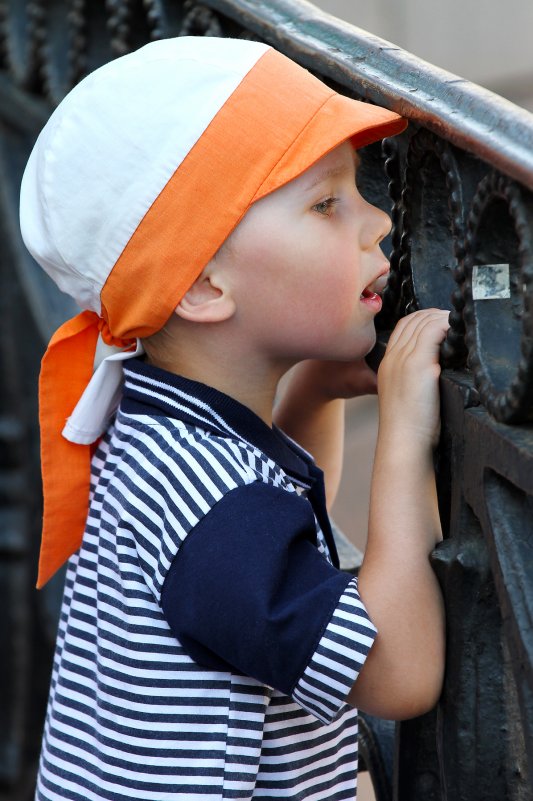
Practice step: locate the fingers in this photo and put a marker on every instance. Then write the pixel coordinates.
(408, 386)
(427, 327)
(408, 325)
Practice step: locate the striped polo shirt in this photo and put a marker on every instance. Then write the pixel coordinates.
(207, 639)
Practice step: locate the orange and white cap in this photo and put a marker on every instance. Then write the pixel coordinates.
(136, 180)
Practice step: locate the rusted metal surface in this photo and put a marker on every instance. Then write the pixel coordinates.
(458, 186)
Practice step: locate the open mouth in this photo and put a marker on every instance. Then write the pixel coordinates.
(371, 299)
(368, 293)
(371, 294)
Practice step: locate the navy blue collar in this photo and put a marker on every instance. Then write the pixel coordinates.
(149, 390)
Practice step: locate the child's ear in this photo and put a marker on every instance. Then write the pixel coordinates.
(208, 300)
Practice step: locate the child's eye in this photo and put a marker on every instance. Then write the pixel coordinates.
(325, 207)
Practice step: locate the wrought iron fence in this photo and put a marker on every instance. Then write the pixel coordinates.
(458, 185)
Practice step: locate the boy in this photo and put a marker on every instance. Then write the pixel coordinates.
(198, 199)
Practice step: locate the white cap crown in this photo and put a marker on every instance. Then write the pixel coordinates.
(112, 145)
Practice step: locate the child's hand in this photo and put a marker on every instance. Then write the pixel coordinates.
(311, 410)
(328, 380)
(408, 378)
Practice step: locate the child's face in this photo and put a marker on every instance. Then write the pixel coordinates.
(305, 258)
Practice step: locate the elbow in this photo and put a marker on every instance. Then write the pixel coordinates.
(414, 704)
(419, 695)
(401, 705)
(410, 697)
(420, 692)
(404, 681)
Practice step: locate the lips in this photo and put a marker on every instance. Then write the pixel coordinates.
(370, 295)
(371, 300)
(378, 284)
(367, 294)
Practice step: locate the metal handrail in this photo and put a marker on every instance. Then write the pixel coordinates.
(463, 113)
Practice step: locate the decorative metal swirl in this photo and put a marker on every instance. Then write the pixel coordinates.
(499, 331)
(20, 38)
(48, 49)
(391, 311)
(61, 51)
(431, 224)
(200, 21)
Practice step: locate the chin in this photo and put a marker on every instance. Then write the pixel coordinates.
(369, 349)
(368, 343)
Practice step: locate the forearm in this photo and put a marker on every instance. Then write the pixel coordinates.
(403, 673)
(317, 425)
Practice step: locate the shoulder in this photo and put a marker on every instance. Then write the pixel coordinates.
(163, 444)
(170, 475)
(262, 510)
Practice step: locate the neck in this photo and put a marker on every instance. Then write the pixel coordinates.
(246, 380)
(222, 356)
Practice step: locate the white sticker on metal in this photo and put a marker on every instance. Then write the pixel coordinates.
(490, 281)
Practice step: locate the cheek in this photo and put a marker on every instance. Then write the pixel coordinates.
(264, 254)
(343, 284)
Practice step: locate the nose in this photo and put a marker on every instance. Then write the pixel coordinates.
(383, 225)
(378, 225)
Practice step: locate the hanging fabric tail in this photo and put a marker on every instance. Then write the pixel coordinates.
(66, 369)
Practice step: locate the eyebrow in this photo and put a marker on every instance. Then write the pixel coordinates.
(332, 172)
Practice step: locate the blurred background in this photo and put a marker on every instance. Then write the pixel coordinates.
(488, 42)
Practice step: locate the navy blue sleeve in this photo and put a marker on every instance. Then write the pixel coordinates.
(249, 591)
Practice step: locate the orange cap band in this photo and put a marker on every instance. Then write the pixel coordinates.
(66, 369)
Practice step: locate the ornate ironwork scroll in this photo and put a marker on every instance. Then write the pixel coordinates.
(458, 184)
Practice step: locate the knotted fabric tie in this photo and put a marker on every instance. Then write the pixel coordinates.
(78, 392)
(108, 337)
